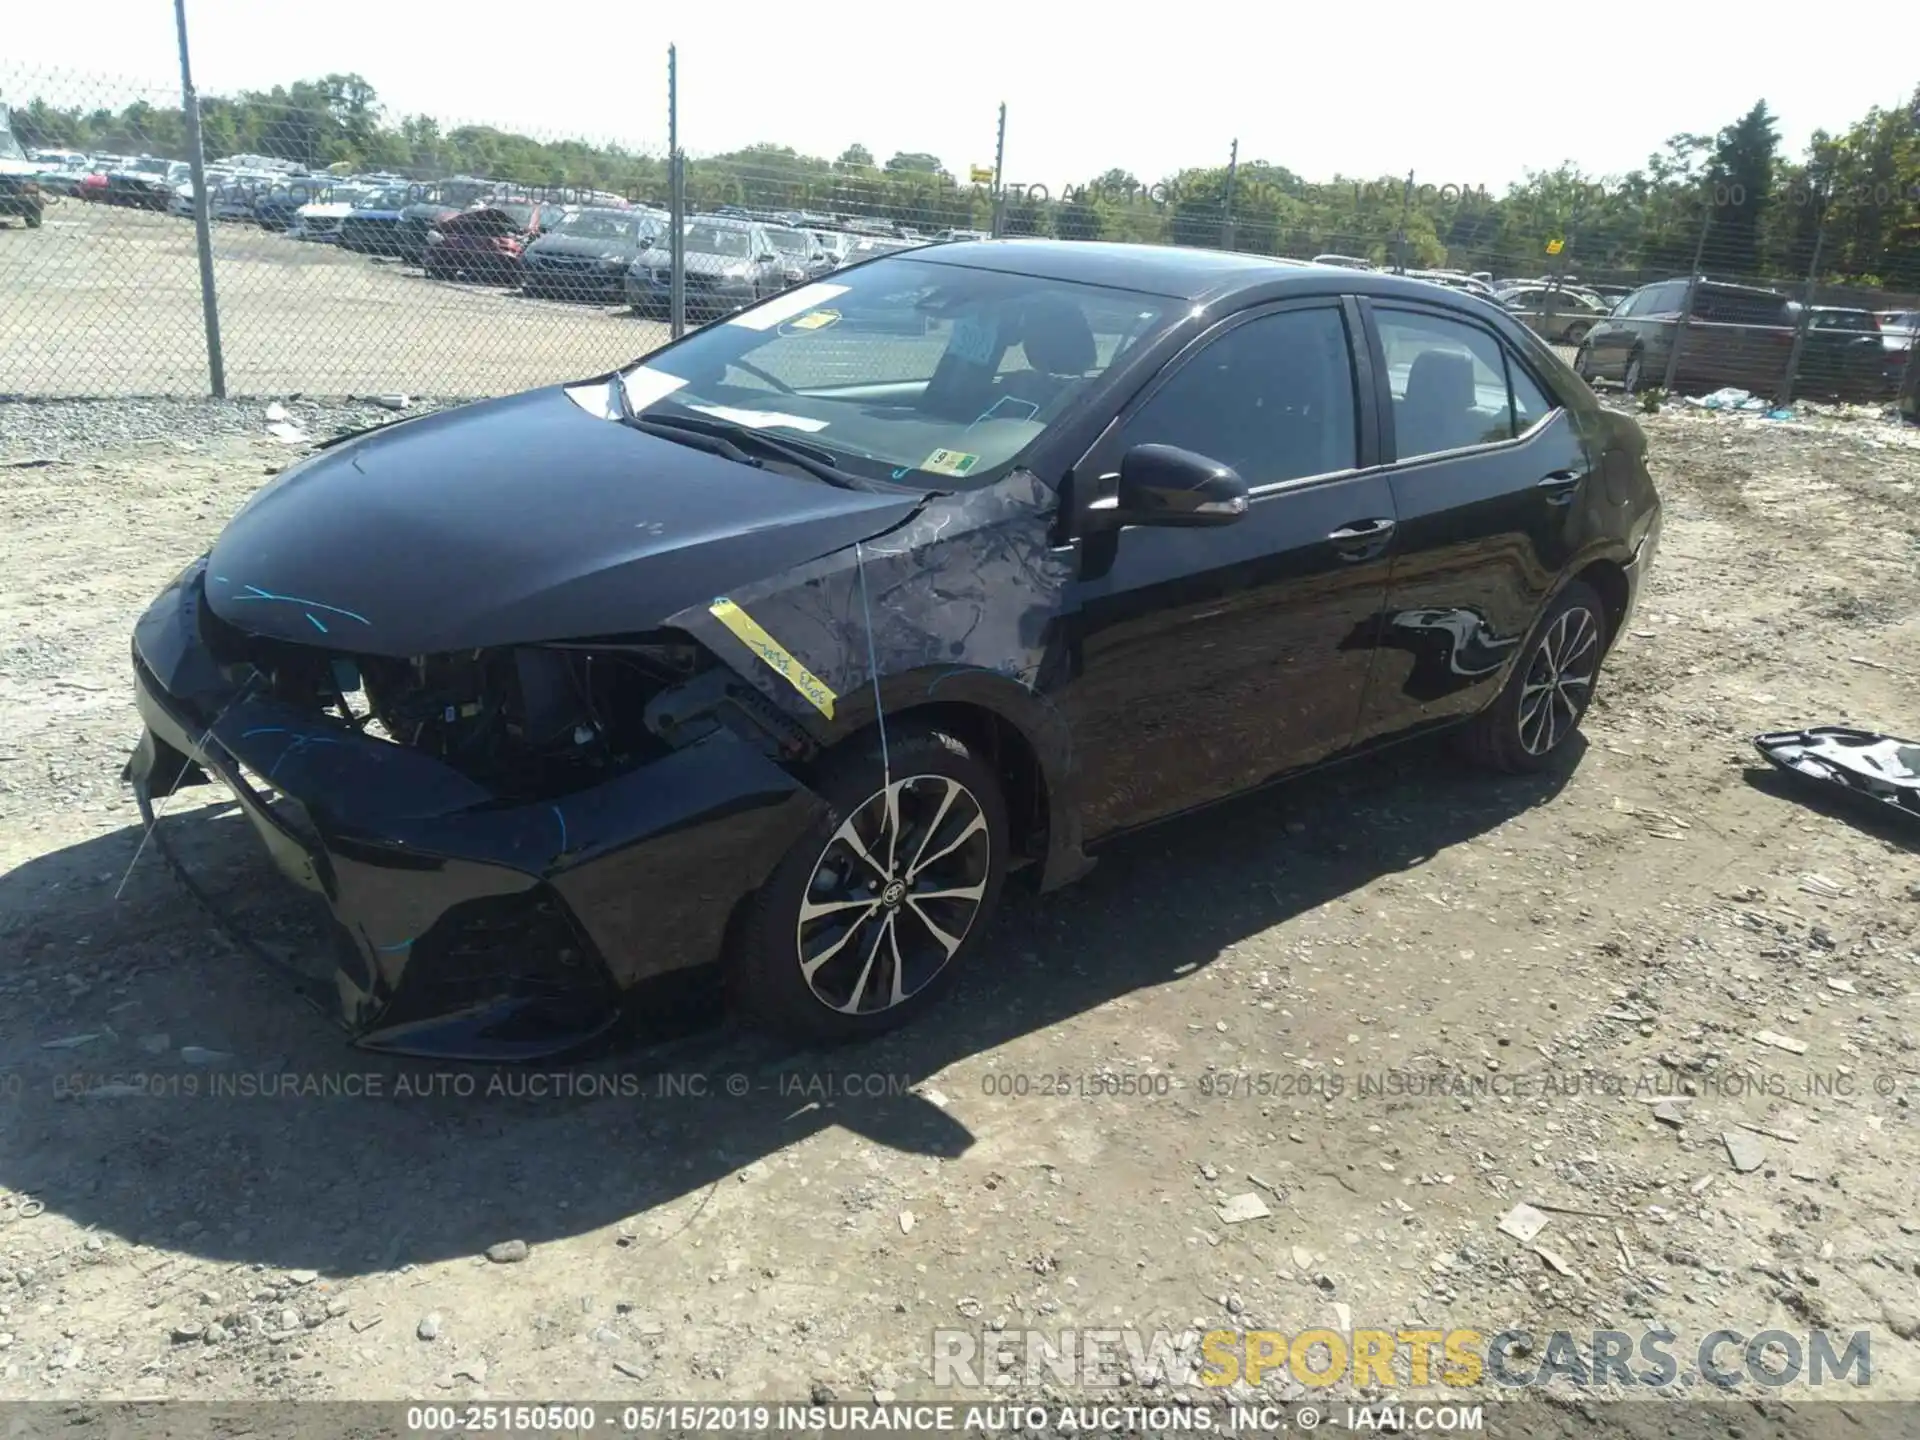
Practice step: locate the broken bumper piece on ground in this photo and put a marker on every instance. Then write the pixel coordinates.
(1879, 769)
(470, 924)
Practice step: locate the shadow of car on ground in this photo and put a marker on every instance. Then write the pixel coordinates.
(426, 1162)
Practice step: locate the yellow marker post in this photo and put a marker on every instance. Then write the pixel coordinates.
(776, 656)
(1554, 247)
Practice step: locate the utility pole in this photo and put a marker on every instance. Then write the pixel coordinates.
(1686, 309)
(676, 201)
(999, 163)
(202, 221)
(1233, 171)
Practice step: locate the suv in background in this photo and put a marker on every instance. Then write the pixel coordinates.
(1843, 357)
(1560, 316)
(1736, 335)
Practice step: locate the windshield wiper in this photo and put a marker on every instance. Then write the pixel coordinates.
(816, 462)
(697, 439)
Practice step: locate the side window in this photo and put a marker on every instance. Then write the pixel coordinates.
(1448, 381)
(1530, 404)
(1272, 397)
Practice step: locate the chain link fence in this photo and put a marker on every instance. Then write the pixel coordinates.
(354, 253)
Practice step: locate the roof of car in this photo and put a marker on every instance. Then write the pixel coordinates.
(1178, 272)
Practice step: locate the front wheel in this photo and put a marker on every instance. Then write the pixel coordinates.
(1577, 332)
(1583, 362)
(866, 920)
(1549, 689)
(1634, 379)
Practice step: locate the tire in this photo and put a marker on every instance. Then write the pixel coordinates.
(1577, 332)
(33, 217)
(1633, 378)
(1532, 718)
(950, 811)
(1583, 362)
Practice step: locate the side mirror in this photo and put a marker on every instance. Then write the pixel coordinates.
(1165, 485)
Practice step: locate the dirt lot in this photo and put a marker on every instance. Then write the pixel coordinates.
(106, 301)
(1392, 1002)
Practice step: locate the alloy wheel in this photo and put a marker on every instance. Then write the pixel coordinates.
(1559, 680)
(894, 893)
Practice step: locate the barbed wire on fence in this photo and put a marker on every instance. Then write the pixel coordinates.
(356, 253)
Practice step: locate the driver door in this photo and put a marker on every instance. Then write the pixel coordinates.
(1207, 661)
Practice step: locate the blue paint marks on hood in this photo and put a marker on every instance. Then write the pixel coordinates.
(514, 521)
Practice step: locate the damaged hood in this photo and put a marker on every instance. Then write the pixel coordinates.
(514, 521)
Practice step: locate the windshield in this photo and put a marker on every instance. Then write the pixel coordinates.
(905, 371)
(718, 240)
(599, 225)
(1858, 320)
(521, 215)
(789, 242)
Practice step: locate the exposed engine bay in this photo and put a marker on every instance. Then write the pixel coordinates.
(527, 722)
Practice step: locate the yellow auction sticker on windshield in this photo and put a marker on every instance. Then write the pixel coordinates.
(949, 462)
(815, 320)
(777, 657)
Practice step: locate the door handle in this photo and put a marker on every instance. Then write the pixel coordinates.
(1561, 486)
(1362, 539)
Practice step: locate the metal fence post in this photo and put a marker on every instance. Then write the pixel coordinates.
(1400, 239)
(676, 200)
(1686, 309)
(1233, 172)
(998, 222)
(1806, 311)
(202, 222)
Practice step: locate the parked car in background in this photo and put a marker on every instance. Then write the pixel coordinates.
(148, 183)
(417, 222)
(487, 244)
(1561, 316)
(321, 220)
(837, 243)
(1736, 335)
(60, 172)
(372, 227)
(730, 264)
(20, 193)
(586, 256)
(624, 781)
(867, 247)
(277, 206)
(1899, 329)
(1843, 357)
(802, 256)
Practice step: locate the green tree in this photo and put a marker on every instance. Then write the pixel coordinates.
(1741, 174)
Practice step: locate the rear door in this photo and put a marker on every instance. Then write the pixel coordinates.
(1489, 480)
(1209, 660)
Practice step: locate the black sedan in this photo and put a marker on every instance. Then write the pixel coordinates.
(761, 664)
(586, 255)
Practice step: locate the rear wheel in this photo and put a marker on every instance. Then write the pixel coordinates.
(1577, 332)
(867, 918)
(1549, 689)
(1583, 362)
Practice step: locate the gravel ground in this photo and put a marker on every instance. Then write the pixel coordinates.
(103, 300)
(1390, 1003)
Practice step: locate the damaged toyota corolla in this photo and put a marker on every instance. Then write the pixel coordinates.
(766, 659)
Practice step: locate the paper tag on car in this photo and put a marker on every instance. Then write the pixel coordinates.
(761, 419)
(784, 307)
(949, 462)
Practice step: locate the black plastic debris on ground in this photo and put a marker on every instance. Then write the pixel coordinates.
(1865, 765)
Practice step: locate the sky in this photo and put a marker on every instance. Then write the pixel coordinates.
(1459, 101)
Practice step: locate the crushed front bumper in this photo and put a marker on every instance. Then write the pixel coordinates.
(470, 925)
